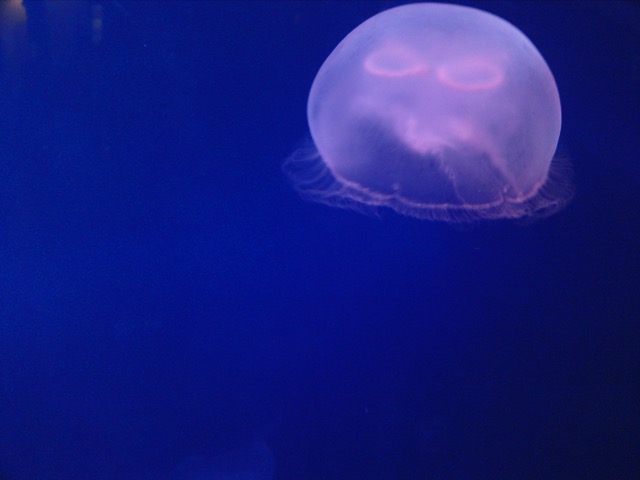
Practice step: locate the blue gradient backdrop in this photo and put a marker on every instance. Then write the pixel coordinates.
(164, 293)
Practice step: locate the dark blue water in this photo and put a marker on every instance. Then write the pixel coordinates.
(171, 309)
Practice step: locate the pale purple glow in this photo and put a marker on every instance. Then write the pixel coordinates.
(437, 111)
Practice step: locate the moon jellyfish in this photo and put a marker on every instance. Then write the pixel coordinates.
(439, 112)
(253, 461)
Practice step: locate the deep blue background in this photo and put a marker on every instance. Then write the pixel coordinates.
(165, 293)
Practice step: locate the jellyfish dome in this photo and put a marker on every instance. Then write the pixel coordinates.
(437, 111)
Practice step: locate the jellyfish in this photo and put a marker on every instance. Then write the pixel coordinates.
(440, 112)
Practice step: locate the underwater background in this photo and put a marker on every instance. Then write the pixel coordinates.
(171, 309)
